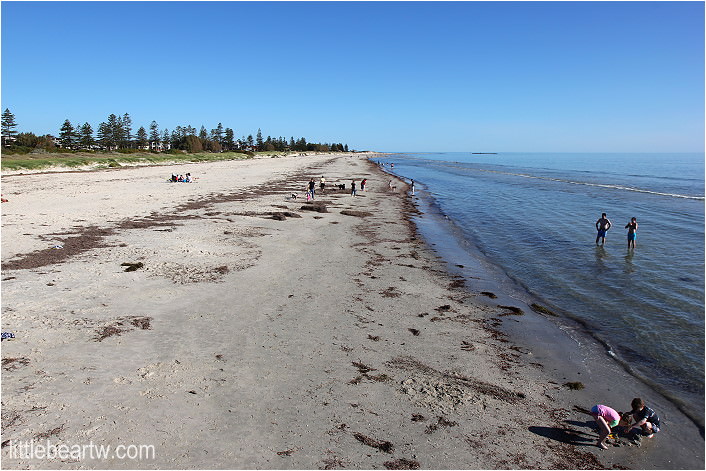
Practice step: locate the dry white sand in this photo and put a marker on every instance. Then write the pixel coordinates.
(257, 334)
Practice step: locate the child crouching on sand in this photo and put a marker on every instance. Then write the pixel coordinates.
(646, 421)
(606, 418)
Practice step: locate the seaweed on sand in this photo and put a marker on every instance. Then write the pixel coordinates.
(12, 363)
(132, 266)
(402, 463)
(382, 445)
(542, 310)
(514, 311)
(360, 214)
(107, 331)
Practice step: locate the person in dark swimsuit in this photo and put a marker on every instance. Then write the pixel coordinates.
(632, 232)
(602, 226)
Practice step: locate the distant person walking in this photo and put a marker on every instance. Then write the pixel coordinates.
(312, 188)
(362, 184)
(322, 184)
(602, 226)
(413, 187)
(632, 232)
(389, 184)
(353, 191)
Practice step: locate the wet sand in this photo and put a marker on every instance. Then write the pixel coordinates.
(258, 331)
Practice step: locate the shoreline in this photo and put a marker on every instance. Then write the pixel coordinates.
(275, 337)
(494, 279)
(570, 333)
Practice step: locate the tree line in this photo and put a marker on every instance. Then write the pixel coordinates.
(116, 134)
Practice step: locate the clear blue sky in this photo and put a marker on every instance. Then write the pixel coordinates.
(397, 76)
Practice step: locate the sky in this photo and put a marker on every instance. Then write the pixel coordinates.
(385, 76)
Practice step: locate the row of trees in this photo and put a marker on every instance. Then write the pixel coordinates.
(116, 133)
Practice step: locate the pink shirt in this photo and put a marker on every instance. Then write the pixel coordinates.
(606, 412)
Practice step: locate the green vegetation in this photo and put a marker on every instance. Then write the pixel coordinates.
(116, 134)
(46, 160)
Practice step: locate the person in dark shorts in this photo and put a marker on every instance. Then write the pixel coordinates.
(322, 184)
(602, 226)
(646, 420)
(632, 232)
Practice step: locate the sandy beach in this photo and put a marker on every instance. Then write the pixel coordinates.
(224, 324)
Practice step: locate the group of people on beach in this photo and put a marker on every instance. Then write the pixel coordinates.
(181, 178)
(646, 422)
(311, 187)
(603, 224)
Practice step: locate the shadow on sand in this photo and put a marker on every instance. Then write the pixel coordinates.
(567, 435)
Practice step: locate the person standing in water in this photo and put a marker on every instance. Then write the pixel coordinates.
(632, 232)
(413, 187)
(602, 226)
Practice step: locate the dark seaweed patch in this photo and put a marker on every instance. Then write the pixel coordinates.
(319, 208)
(383, 445)
(141, 322)
(514, 311)
(402, 463)
(542, 310)
(9, 364)
(49, 433)
(107, 331)
(360, 214)
(362, 367)
(132, 266)
(441, 422)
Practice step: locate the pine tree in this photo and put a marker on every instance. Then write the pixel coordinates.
(165, 139)
(127, 131)
(258, 139)
(141, 137)
(66, 135)
(203, 134)
(154, 135)
(105, 136)
(8, 127)
(85, 139)
(229, 143)
(218, 134)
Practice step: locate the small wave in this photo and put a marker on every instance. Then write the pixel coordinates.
(599, 185)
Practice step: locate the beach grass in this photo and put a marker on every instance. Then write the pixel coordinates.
(109, 160)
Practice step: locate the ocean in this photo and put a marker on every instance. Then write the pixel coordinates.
(532, 216)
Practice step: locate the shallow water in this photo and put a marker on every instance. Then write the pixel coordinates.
(533, 216)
